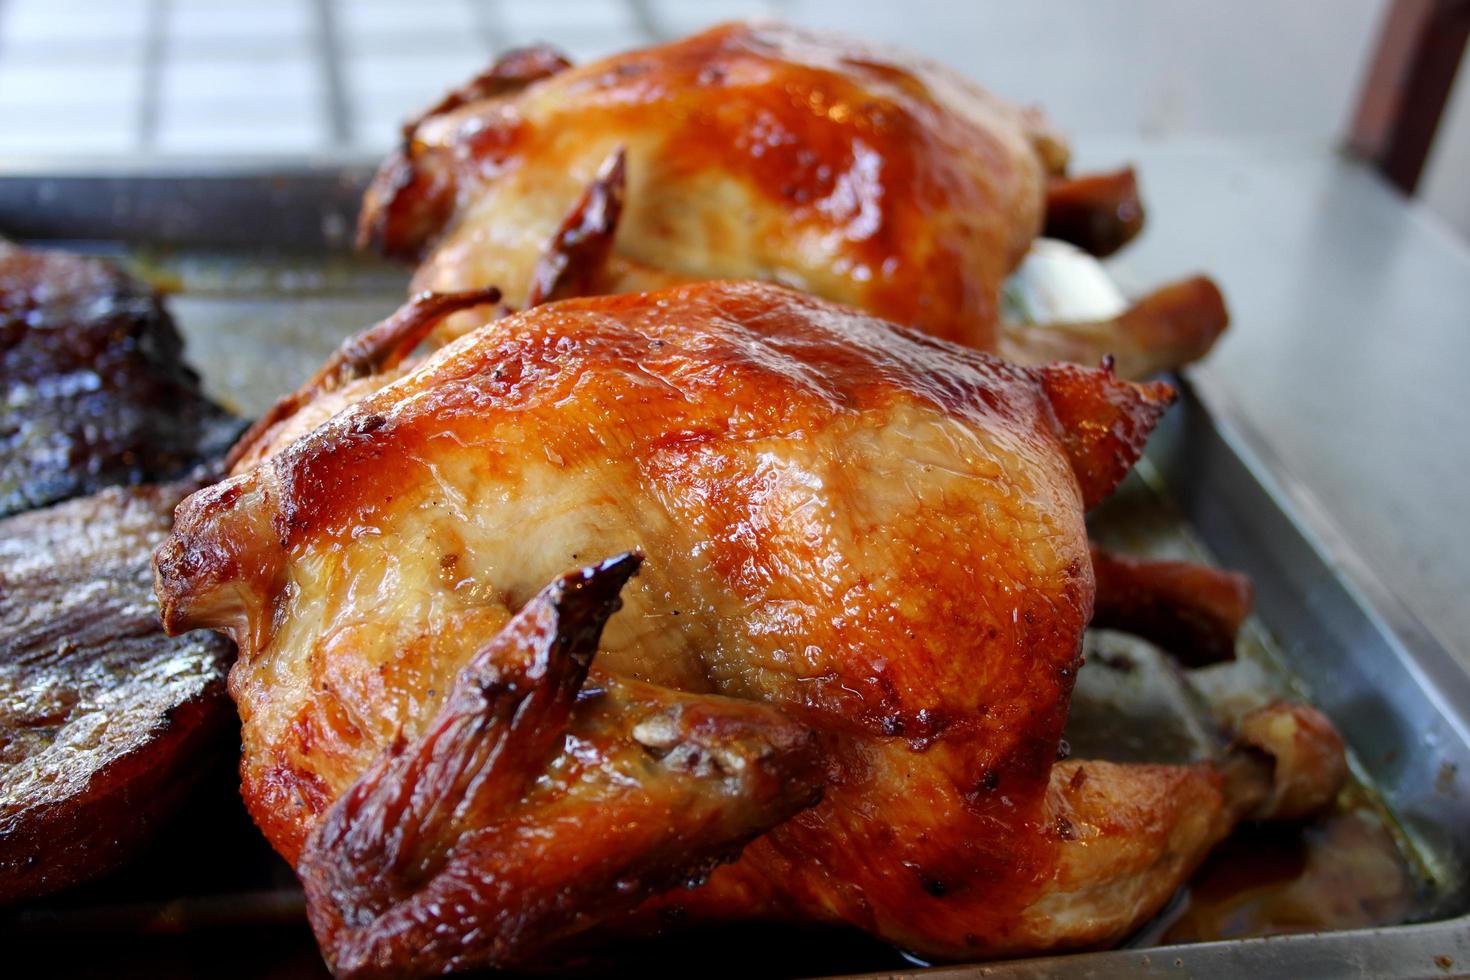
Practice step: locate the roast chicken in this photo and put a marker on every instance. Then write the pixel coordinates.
(859, 174)
(853, 574)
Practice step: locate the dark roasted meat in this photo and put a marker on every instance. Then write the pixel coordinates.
(96, 391)
(104, 720)
(1098, 212)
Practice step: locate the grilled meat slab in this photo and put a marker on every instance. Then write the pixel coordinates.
(103, 718)
(96, 391)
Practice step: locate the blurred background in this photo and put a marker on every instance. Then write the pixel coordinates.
(81, 79)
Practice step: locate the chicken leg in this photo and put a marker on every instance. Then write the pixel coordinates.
(1130, 835)
(1192, 611)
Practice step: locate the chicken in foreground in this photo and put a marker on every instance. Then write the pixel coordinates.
(856, 173)
(836, 688)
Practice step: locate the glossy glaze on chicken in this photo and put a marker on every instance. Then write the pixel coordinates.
(865, 577)
(854, 172)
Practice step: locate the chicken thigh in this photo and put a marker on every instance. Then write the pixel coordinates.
(837, 685)
(856, 173)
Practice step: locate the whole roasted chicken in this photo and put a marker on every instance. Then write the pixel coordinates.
(859, 174)
(836, 688)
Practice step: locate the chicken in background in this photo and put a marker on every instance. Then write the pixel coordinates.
(856, 173)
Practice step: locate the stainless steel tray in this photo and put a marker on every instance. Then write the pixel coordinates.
(265, 288)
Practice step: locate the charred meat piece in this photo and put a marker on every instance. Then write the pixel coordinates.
(96, 391)
(103, 718)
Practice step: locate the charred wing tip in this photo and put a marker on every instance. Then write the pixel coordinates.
(1158, 395)
(614, 169)
(1153, 396)
(585, 599)
(606, 579)
(1103, 421)
(365, 236)
(165, 563)
(392, 177)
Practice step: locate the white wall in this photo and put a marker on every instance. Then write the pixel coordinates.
(1242, 69)
(1446, 184)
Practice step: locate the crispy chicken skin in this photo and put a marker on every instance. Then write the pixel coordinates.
(754, 151)
(652, 787)
(857, 173)
(860, 542)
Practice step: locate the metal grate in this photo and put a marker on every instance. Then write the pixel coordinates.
(285, 77)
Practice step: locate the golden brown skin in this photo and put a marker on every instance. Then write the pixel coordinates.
(753, 151)
(876, 534)
(856, 173)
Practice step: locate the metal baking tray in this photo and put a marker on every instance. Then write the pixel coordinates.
(264, 285)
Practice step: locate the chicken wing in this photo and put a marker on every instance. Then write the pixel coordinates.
(538, 804)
